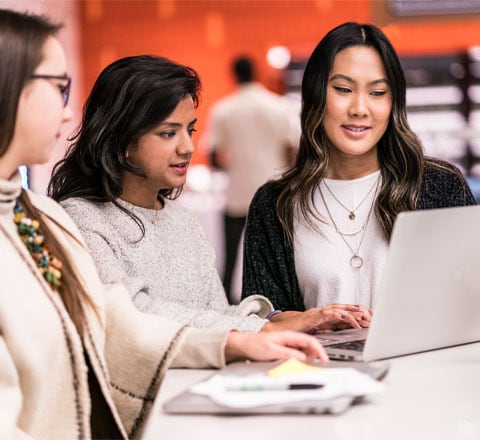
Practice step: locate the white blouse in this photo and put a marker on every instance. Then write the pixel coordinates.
(323, 258)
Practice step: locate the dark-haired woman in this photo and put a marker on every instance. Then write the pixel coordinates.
(118, 182)
(77, 360)
(318, 236)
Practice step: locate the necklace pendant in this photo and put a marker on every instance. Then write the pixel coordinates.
(356, 262)
(351, 216)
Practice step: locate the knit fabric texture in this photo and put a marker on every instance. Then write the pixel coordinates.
(170, 271)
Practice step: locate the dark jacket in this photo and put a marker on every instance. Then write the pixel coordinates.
(269, 265)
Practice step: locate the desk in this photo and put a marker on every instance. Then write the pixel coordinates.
(434, 395)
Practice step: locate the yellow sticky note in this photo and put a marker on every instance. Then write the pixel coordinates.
(292, 366)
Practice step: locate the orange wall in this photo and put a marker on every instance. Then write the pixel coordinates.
(207, 34)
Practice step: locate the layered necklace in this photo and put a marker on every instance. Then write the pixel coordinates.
(351, 212)
(356, 261)
(49, 266)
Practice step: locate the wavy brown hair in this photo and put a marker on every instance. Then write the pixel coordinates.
(22, 38)
(400, 152)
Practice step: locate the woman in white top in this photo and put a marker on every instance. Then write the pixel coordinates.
(318, 236)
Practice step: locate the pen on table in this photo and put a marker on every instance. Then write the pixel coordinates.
(274, 387)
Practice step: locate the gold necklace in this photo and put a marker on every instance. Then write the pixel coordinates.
(153, 220)
(356, 261)
(351, 212)
(146, 214)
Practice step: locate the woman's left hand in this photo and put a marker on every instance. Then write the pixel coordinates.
(322, 319)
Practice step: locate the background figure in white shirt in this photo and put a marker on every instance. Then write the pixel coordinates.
(251, 137)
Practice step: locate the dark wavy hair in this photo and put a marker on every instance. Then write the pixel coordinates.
(400, 153)
(22, 39)
(129, 98)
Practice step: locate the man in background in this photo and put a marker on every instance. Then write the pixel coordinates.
(251, 137)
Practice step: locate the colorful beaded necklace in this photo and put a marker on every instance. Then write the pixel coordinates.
(49, 266)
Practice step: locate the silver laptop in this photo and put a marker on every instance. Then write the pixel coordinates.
(429, 295)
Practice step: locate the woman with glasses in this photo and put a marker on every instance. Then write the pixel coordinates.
(318, 236)
(63, 84)
(77, 360)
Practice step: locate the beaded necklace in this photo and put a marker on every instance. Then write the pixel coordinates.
(49, 266)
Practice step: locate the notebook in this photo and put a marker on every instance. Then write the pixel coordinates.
(429, 295)
(188, 402)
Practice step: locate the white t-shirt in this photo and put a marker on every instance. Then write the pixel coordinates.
(323, 260)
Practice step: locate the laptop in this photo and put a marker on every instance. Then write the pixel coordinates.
(188, 402)
(429, 294)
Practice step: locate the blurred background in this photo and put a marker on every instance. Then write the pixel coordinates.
(438, 41)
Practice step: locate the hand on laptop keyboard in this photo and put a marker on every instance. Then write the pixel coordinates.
(322, 319)
(343, 316)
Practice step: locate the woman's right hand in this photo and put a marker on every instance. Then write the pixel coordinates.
(322, 319)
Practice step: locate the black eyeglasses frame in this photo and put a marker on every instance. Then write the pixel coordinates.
(64, 89)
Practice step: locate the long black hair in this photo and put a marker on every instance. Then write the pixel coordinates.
(400, 153)
(129, 98)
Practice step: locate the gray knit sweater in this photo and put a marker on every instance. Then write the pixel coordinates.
(170, 271)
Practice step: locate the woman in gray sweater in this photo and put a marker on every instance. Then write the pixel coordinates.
(119, 180)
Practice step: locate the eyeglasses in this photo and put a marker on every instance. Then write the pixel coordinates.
(64, 88)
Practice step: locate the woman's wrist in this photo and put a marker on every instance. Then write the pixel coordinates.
(233, 347)
(272, 314)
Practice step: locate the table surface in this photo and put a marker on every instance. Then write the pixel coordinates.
(433, 395)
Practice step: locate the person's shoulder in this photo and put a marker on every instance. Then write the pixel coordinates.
(85, 211)
(259, 88)
(267, 194)
(180, 214)
(55, 212)
(443, 185)
(224, 104)
(438, 170)
(178, 209)
(47, 205)
(81, 204)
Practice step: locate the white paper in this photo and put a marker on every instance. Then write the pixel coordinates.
(337, 382)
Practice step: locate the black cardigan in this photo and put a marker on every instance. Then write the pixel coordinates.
(269, 265)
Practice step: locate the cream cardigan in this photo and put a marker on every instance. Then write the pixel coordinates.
(43, 376)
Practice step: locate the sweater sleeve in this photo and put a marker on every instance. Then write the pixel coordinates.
(139, 348)
(269, 267)
(226, 318)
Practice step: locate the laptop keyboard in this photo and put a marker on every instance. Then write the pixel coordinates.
(350, 345)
